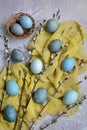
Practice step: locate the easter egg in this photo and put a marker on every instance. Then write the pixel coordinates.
(12, 88)
(36, 66)
(55, 45)
(40, 95)
(16, 29)
(51, 25)
(10, 113)
(68, 64)
(17, 55)
(70, 97)
(26, 22)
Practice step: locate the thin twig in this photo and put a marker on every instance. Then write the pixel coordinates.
(8, 70)
(20, 99)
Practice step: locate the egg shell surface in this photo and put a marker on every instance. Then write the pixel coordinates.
(12, 88)
(10, 113)
(55, 45)
(26, 22)
(36, 66)
(68, 64)
(70, 97)
(40, 95)
(17, 29)
(17, 55)
(51, 25)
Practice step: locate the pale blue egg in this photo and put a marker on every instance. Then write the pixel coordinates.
(12, 88)
(17, 55)
(26, 22)
(40, 95)
(68, 64)
(10, 113)
(70, 97)
(16, 29)
(55, 45)
(36, 66)
(51, 25)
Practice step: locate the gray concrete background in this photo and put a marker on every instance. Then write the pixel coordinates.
(40, 9)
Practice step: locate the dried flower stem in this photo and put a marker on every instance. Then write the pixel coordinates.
(27, 101)
(42, 25)
(7, 50)
(8, 70)
(20, 99)
(56, 15)
(38, 31)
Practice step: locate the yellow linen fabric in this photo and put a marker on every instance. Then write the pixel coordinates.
(68, 32)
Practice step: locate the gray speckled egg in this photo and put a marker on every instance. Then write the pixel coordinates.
(17, 55)
(10, 113)
(55, 45)
(26, 22)
(16, 29)
(51, 25)
(40, 95)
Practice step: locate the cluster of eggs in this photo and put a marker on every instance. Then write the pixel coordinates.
(24, 22)
(55, 46)
(10, 113)
(67, 65)
(12, 89)
(40, 95)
